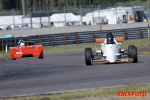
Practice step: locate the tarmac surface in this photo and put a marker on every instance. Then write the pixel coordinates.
(60, 72)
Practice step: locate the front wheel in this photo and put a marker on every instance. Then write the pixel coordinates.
(41, 55)
(13, 59)
(134, 54)
(11, 56)
(88, 56)
(129, 50)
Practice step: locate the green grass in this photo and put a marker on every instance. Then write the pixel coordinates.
(137, 43)
(109, 92)
(3, 54)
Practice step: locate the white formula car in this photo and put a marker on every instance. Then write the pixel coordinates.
(110, 52)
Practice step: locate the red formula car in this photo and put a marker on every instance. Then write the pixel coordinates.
(26, 49)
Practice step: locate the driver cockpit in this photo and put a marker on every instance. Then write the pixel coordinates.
(21, 43)
(110, 38)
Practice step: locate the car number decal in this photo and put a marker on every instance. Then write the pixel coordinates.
(18, 52)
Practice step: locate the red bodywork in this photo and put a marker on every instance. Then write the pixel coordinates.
(26, 51)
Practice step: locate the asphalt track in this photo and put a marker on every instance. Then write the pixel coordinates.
(66, 71)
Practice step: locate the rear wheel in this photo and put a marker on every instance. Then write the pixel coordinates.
(88, 56)
(134, 54)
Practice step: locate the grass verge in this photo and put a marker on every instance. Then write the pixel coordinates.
(109, 93)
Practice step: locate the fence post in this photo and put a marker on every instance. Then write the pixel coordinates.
(65, 39)
(15, 41)
(52, 40)
(99, 13)
(40, 39)
(77, 40)
(80, 15)
(101, 28)
(108, 31)
(148, 32)
(116, 12)
(31, 17)
(13, 17)
(65, 13)
(124, 34)
(93, 36)
(48, 15)
(27, 38)
(6, 48)
(92, 16)
(1, 44)
(140, 33)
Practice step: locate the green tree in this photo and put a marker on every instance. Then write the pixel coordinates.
(146, 6)
(10, 4)
(0, 5)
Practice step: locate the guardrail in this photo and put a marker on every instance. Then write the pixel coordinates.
(76, 37)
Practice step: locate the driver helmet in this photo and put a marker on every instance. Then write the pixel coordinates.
(20, 41)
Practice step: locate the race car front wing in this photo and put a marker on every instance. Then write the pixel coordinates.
(116, 61)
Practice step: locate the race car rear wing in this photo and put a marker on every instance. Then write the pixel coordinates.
(101, 40)
(119, 39)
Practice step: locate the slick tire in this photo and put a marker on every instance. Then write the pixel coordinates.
(41, 56)
(129, 50)
(134, 54)
(88, 56)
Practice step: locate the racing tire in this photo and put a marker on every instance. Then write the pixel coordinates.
(129, 50)
(12, 57)
(134, 54)
(41, 57)
(88, 56)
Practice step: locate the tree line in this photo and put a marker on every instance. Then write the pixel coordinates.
(24, 4)
(9, 4)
